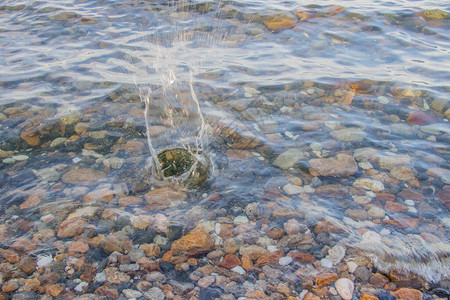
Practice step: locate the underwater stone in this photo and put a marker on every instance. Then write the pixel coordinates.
(288, 158)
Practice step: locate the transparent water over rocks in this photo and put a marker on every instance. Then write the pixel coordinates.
(324, 129)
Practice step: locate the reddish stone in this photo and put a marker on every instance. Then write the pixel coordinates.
(31, 137)
(378, 280)
(420, 118)
(301, 257)
(385, 196)
(256, 294)
(311, 296)
(429, 237)
(407, 294)
(269, 258)
(275, 233)
(163, 197)
(326, 279)
(78, 247)
(395, 207)
(444, 196)
(31, 284)
(148, 265)
(395, 223)
(326, 227)
(413, 195)
(247, 262)
(230, 261)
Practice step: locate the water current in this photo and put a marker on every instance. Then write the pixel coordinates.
(319, 134)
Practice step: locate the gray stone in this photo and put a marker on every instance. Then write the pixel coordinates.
(349, 135)
(288, 158)
(155, 293)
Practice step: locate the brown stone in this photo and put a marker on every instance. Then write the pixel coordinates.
(163, 197)
(99, 195)
(280, 21)
(49, 278)
(332, 190)
(230, 261)
(31, 137)
(301, 257)
(10, 255)
(32, 284)
(134, 146)
(407, 294)
(402, 173)
(326, 279)
(411, 194)
(395, 207)
(83, 176)
(107, 291)
(130, 200)
(444, 174)
(385, 196)
(10, 286)
(28, 265)
(54, 289)
(23, 244)
(247, 262)
(78, 247)
(311, 296)
(33, 200)
(151, 250)
(256, 294)
(198, 238)
(378, 280)
(252, 251)
(275, 233)
(366, 296)
(113, 275)
(72, 227)
(117, 243)
(342, 165)
(444, 196)
(327, 227)
(269, 258)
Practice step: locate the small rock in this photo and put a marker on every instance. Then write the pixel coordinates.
(407, 294)
(238, 269)
(288, 158)
(164, 197)
(198, 238)
(230, 261)
(369, 184)
(345, 288)
(285, 260)
(326, 279)
(155, 293)
(206, 281)
(252, 251)
(71, 228)
(10, 286)
(83, 176)
(336, 254)
(131, 294)
(78, 247)
(342, 165)
(349, 134)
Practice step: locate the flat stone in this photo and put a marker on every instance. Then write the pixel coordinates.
(130, 200)
(369, 184)
(252, 251)
(342, 165)
(389, 162)
(407, 294)
(164, 197)
(117, 243)
(349, 134)
(230, 261)
(10, 286)
(402, 173)
(155, 293)
(131, 294)
(83, 176)
(78, 247)
(326, 279)
(288, 158)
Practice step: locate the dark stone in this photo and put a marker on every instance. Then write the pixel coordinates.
(210, 293)
(124, 286)
(392, 188)
(93, 286)
(174, 232)
(143, 236)
(25, 296)
(166, 266)
(385, 296)
(22, 177)
(95, 255)
(441, 293)
(121, 222)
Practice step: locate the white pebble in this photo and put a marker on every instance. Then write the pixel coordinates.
(20, 157)
(284, 261)
(80, 286)
(352, 266)
(238, 269)
(326, 262)
(44, 260)
(100, 277)
(272, 248)
(385, 231)
(9, 161)
(345, 288)
(409, 202)
(240, 220)
(412, 210)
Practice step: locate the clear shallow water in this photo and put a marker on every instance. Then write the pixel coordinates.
(335, 82)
